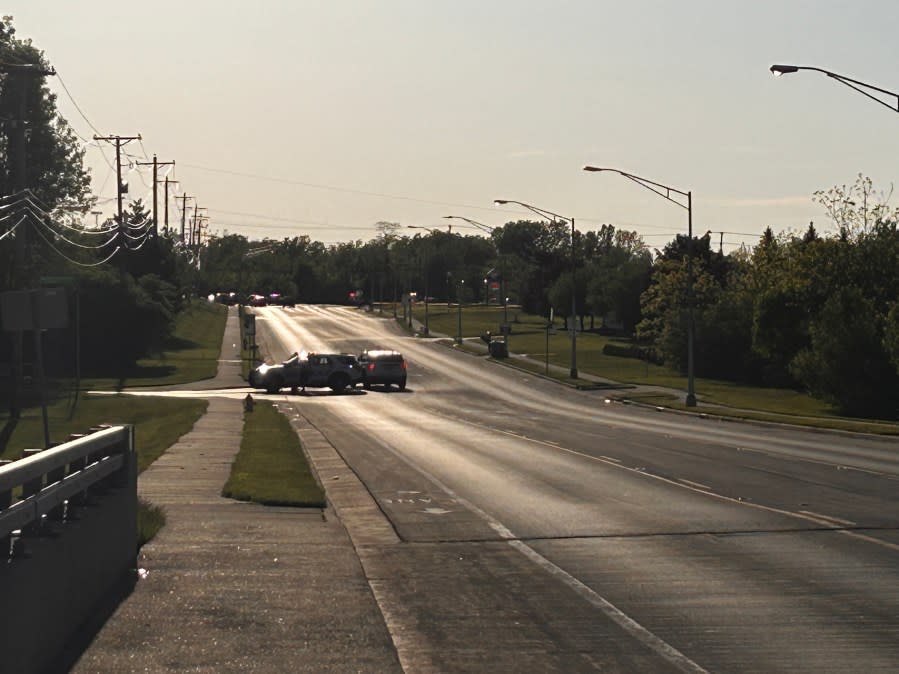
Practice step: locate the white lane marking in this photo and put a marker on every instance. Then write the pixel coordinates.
(612, 612)
(829, 518)
(610, 458)
(677, 483)
(698, 485)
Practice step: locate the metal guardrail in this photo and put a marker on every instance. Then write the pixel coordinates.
(51, 478)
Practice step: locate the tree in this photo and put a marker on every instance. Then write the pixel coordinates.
(53, 166)
(618, 273)
(537, 254)
(856, 209)
(846, 363)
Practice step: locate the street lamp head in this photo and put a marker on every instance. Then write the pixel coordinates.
(500, 202)
(594, 169)
(778, 70)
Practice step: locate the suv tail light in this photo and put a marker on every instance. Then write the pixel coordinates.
(404, 365)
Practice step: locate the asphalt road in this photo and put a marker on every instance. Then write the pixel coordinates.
(545, 529)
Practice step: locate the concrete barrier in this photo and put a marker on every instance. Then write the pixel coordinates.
(68, 538)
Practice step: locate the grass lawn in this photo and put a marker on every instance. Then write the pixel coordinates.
(271, 468)
(158, 423)
(529, 337)
(191, 354)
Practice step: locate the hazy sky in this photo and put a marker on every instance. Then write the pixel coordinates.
(339, 114)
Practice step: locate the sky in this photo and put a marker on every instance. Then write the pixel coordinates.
(322, 118)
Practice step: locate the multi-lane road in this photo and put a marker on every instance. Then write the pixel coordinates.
(538, 528)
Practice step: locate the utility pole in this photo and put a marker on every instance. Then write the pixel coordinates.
(118, 141)
(184, 198)
(19, 180)
(167, 182)
(195, 226)
(19, 183)
(155, 164)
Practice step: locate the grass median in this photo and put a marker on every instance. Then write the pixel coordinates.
(190, 355)
(270, 467)
(716, 397)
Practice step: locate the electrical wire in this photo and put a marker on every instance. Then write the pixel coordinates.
(142, 244)
(334, 188)
(75, 243)
(14, 194)
(77, 107)
(75, 262)
(12, 229)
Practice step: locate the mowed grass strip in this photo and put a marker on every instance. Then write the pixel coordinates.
(271, 467)
(158, 422)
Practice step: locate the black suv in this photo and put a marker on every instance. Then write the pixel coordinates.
(382, 366)
(336, 371)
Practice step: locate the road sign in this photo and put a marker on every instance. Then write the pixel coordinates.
(58, 280)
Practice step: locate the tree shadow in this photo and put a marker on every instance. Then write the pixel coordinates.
(175, 343)
(6, 432)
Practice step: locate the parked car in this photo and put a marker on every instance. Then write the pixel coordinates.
(384, 367)
(336, 371)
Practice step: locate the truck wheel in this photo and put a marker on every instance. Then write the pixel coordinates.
(338, 382)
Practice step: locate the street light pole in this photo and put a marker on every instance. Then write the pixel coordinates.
(665, 192)
(460, 288)
(549, 215)
(860, 87)
(488, 229)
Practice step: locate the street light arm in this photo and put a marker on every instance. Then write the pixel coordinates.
(549, 215)
(857, 85)
(473, 223)
(651, 185)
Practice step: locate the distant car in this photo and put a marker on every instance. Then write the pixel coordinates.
(257, 300)
(384, 367)
(336, 371)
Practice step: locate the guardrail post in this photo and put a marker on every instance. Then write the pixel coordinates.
(58, 514)
(128, 474)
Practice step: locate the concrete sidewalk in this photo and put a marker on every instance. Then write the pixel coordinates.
(229, 586)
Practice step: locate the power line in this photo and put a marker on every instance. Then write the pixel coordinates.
(77, 107)
(75, 262)
(335, 188)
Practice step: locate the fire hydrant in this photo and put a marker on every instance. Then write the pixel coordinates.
(248, 403)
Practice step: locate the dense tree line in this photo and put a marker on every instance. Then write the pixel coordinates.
(811, 312)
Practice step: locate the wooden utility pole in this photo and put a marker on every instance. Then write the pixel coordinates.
(118, 141)
(19, 182)
(195, 226)
(19, 143)
(167, 182)
(155, 164)
(184, 198)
